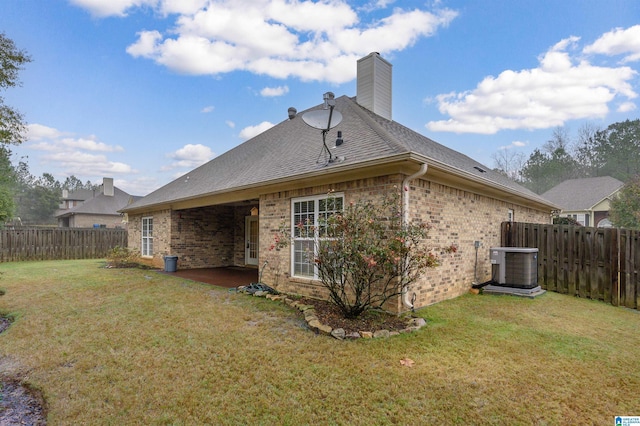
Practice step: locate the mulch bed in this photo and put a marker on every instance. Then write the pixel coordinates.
(329, 314)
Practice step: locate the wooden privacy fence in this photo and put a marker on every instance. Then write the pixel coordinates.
(598, 263)
(58, 243)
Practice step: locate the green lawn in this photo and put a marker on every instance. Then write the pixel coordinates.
(127, 346)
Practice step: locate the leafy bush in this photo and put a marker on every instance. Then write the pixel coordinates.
(558, 220)
(625, 208)
(122, 257)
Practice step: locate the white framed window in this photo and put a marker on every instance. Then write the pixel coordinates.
(582, 218)
(147, 237)
(308, 226)
(510, 215)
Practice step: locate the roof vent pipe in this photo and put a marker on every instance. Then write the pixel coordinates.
(292, 113)
(328, 100)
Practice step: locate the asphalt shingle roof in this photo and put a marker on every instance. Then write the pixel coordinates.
(102, 204)
(582, 194)
(292, 149)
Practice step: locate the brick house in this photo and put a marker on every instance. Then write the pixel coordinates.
(94, 208)
(227, 211)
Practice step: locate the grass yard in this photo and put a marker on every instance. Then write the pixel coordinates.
(127, 346)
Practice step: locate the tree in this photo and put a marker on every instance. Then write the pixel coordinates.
(12, 127)
(72, 183)
(616, 150)
(560, 139)
(367, 254)
(7, 186)
(624, 211)
(553, 164)
(39, 202)
(12, 60)
(509, 163)
(37, 199)
(544, 171)
(584, 153)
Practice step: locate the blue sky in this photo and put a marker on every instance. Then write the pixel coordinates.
(145, 90)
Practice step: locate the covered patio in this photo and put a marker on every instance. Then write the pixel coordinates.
(228, 276)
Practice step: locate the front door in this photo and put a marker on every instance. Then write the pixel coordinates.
(251, 240)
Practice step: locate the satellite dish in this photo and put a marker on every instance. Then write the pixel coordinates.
(319, 119)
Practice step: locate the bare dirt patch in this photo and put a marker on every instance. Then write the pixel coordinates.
(5, 322)
(20, 404)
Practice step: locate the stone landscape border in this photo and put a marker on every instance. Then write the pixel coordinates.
(314, 324)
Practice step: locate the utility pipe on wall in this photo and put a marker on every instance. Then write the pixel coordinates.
(408, 302)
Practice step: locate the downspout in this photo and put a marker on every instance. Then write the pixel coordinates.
(406, 299)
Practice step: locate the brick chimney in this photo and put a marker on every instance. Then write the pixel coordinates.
(107, 187)
(374, 84)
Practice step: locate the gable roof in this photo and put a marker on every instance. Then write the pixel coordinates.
(582, 194)
(102, 204)
(292, 150)
(80, 195)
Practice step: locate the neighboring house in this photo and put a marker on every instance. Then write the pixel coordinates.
(585, 200)
(229, 210)
(75, 198)
(90, 209)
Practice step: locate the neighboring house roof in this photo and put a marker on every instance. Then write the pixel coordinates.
(582, 194)
(102, 204)
(80, 195)
(292, 150)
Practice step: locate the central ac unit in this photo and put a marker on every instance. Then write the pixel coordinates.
(514, 267)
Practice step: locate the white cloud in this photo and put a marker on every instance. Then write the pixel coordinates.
(103, 8)
(189, 156)
(139, 185)
(376, 4)
(274, 91)
(146, 45)
(619, 41)
(251, 131)
(562, 88)
(311, 41)
(514, 144)
(50, 139)
(85, 164)
(74, 155)
(90, 144)
(231, 124)
(181, 6)
(395, 32)
(626, 107)
(207, 109)
(36, 132)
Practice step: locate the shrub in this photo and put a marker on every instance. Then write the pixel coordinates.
(558, 220)
(122, 257)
